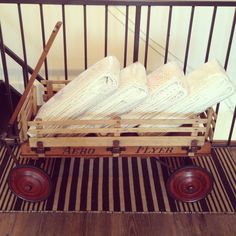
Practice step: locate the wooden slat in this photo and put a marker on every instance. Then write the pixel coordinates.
(24, 105)
(214, 114)
(213, 122)
(72, 122)
(208, 125)
(117, 127)
(108, 141)
(164, 121)
(54, 89)
(45, 82)
(28, 105)
(117, 130)
(29, 114)
(92, 152)
(39, 127)
(123, 122)
(34, 100)
(211, 134)
(49, 89)
(193, 134)
(24, 127)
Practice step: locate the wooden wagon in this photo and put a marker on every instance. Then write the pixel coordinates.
(168, 137)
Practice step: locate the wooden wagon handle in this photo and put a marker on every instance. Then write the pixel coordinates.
(34, 74)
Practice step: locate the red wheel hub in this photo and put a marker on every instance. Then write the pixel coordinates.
(29, 183)
(190, 184)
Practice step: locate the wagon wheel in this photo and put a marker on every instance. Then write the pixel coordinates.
(30, 183)
(190, 184)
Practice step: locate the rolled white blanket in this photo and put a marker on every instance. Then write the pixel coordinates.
(165, 86)
(208, 85)
(131, 91)
(85, 91)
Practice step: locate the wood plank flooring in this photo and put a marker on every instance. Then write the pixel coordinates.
(48, 224)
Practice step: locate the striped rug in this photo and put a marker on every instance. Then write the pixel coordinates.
(121, 185)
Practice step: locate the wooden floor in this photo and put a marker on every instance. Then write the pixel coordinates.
(60, 224)
(105, 224)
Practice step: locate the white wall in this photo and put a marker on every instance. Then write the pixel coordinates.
(116, 32)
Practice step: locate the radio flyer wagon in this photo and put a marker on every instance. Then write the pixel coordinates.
(171, 137)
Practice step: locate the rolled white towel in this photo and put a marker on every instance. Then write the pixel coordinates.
(131, 91)
(165, 86)
(208, 85)
(88, 89)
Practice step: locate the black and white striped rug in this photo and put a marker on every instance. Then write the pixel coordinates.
(121, 185)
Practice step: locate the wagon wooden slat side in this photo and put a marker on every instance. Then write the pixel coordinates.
(167, 137)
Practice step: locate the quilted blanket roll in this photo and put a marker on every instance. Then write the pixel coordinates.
(131, 91)
(208, 85)
(85, 91)
(166, 86)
